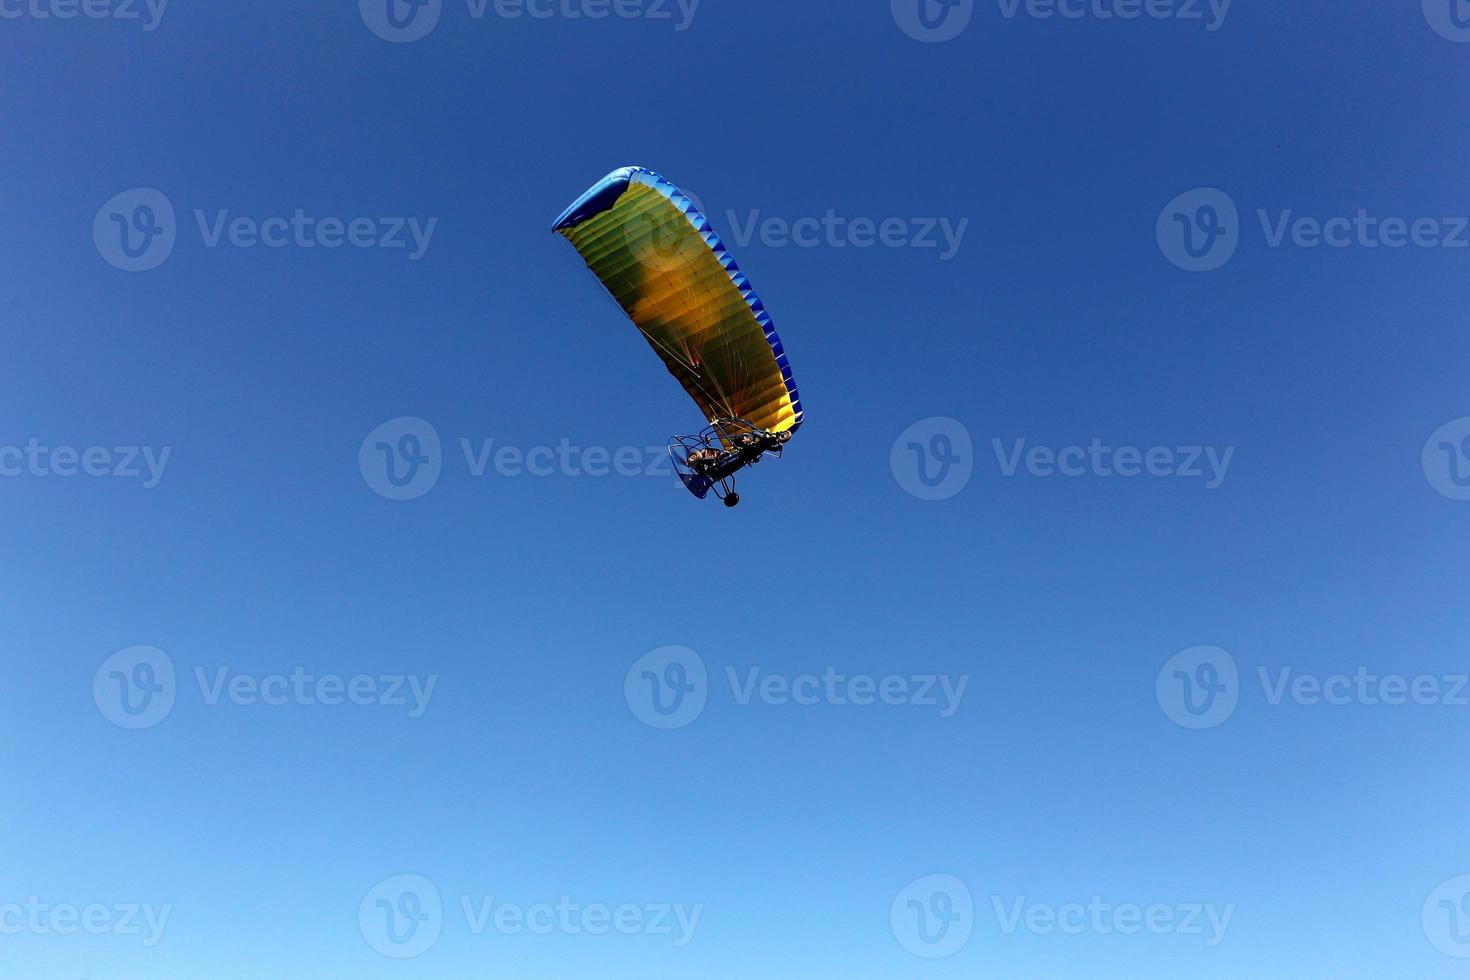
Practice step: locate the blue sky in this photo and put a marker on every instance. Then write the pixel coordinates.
(1132, 719)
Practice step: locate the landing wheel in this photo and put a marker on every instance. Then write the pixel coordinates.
(732, 499)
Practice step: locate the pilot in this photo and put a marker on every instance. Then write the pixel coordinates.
(701, 458)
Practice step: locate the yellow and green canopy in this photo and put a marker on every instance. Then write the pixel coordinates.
(659, 258)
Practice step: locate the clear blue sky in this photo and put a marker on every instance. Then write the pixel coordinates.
(1062, 317)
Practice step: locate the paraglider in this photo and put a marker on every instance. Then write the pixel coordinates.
(657, 255)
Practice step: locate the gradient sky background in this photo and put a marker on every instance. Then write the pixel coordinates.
(1060, 319)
